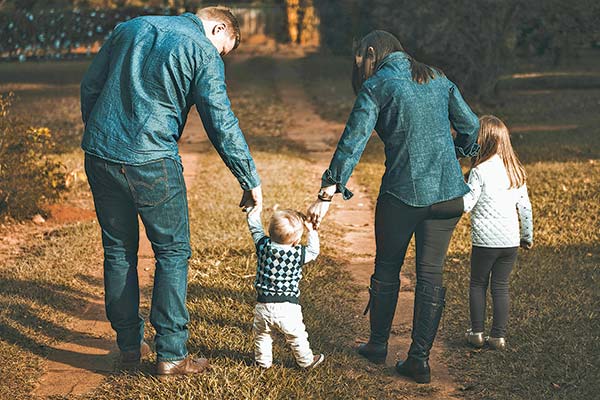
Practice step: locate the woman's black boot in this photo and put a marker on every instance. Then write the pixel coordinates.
(429, 305)
(382, 306)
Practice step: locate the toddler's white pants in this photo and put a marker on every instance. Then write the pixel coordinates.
(286, 318)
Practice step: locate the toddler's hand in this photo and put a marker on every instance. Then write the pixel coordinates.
(526, 245)
(309, 225)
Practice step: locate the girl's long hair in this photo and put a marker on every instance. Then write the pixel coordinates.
(384, 43)
(494, 138)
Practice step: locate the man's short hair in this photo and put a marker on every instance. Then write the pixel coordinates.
(225, 16)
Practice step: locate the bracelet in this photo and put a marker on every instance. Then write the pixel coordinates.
(324, 196)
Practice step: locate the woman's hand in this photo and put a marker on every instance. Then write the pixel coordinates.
(316, 212)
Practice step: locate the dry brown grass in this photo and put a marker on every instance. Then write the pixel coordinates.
(43, 288)
(554, 325)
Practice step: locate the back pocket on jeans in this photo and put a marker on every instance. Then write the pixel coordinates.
(149, 183)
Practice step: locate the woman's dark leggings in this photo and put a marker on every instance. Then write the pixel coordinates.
(497, 262)
(395, 223)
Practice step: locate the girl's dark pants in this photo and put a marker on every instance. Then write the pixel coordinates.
(497, 262)
(395, 224)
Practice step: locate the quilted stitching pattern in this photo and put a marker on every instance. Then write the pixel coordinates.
(494, 219)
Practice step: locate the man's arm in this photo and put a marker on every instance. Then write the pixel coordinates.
(221, 125)
(94, 79)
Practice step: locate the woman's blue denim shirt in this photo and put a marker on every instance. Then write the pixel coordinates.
(413, 121)
(138, 91)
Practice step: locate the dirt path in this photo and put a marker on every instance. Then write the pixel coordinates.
(78, 364)
(357, 216)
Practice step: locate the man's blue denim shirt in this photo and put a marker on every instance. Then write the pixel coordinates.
(413, 121)
(138, 91)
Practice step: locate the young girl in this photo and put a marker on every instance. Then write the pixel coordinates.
(498, 200)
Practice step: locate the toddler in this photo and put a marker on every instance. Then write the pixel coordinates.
(498, 200)
(280, 261)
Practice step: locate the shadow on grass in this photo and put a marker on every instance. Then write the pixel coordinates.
(552, 330)
(27, 320)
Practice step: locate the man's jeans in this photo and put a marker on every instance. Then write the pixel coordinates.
(156, 192)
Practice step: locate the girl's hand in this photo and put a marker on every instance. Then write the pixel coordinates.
(526, 245)
(316, 212)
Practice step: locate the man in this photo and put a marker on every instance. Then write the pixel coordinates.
(135, 98)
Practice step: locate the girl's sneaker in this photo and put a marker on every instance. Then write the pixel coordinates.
(475, 339)
(496, 343)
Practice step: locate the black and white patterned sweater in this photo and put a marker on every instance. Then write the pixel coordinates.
(279, 266)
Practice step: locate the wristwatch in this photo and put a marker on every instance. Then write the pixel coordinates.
(324, 196)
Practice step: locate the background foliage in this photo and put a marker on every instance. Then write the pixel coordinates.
(474, 43)
(27, 175)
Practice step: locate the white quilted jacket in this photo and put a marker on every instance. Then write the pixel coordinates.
(496, 209)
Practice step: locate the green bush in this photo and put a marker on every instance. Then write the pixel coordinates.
(28, 174)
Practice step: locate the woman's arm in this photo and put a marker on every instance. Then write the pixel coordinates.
(351, 145)
(359, 128)
(465, 123)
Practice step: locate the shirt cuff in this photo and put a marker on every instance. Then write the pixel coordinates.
(328, 180)
(245, 172)
(472, 151)
(250, 182)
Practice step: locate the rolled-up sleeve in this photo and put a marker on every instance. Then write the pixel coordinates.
(465, 123)
(221, 125)
(359, 128)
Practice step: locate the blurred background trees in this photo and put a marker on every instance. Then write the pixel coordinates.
(475, 43)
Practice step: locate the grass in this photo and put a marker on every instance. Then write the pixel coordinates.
(44, 287)
(553, 331)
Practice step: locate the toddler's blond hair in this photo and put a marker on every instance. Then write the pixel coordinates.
(286, 226)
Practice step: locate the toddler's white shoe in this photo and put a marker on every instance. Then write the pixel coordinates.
(316, 361)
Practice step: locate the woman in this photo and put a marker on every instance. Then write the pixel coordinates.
(412, 107)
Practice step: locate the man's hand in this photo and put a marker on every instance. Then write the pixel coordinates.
(252, 199)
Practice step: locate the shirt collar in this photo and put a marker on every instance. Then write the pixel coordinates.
(194, 18)
(395, 56)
